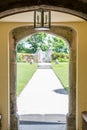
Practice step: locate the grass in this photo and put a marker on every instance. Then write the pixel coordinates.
(61, 70)
(24, 73)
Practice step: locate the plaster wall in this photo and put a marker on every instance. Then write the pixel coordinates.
(81, 69)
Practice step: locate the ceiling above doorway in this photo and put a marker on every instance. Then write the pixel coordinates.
(29, 17)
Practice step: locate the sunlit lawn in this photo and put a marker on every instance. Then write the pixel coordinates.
(62, 72)
(24, 74)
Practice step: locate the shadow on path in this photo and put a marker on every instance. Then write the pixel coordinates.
(61, 91)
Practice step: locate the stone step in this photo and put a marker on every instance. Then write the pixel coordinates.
(47, 118)
(44, 66)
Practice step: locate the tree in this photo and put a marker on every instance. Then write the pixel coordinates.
(20, 47)
(37, 40)
(44, 41)
(59, 45)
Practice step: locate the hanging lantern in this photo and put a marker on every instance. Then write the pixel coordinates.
(42, 19)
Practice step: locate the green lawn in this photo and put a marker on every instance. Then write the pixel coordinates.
(61, 70)
(24, 74)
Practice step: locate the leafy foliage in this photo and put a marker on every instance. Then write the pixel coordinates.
(20, 47)
(60, 56)
(59, 45)
(19, 57)
(44, 41)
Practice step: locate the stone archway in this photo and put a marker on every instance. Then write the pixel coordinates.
(70, 35)
(52, 6)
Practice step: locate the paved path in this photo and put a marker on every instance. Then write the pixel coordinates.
(44, 94)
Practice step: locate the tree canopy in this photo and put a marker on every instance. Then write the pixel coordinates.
(44, 41)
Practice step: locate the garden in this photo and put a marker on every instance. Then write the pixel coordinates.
(26, 50)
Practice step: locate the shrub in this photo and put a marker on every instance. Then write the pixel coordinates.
(55, 56)
(19, 57)
(25, 57)
(60, 56)
(63, 60)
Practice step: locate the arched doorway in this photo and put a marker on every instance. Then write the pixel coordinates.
(42, 52)
(70, 35)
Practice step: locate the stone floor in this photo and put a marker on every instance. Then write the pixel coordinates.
(43, 127)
